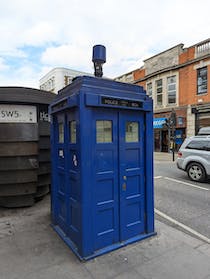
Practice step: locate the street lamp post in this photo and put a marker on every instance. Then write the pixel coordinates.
(172, 125)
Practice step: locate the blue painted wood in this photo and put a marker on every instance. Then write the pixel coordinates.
(131, 174)
(102, 192)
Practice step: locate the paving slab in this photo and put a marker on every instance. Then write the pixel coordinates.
(30, 249)
(181, 262)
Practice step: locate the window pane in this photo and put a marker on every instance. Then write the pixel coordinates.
(171, 99)
(171, 89)
(159, 92)
(199, 145)
(180, 120)
(172, 79)
(132, 132)
(60, 133)
(202, 80)
(103, 131)
(149, 89)
(73, 131)
(159, 82)
(159, 99)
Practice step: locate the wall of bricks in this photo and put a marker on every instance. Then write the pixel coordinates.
(139, 73)
(188, 84)
(187, 55)
(188, 60)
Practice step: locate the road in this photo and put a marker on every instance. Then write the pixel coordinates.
(180, 200)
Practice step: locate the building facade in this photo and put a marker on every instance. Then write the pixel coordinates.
(178, 79)
(58, 78)
(128, 77)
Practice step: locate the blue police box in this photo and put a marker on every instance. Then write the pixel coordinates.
(102, 158)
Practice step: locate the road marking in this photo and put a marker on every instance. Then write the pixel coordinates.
(186, 183)
(181, 225)
(156, 177)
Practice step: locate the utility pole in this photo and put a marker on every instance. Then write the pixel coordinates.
(172, 124)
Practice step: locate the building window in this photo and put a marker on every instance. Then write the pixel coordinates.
(171, 89)
(67, 80)
(180, 120)
(149, 89)
(159, 92)
(202, 80)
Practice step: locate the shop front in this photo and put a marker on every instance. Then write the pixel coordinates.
(161, 142)
(163, 132)
(202, 116)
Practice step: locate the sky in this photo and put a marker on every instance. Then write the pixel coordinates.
(39, 35)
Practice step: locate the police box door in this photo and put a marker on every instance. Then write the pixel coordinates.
(118, 170)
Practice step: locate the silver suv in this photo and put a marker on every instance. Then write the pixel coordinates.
(194, 157)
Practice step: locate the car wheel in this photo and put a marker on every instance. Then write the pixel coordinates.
(196, 172)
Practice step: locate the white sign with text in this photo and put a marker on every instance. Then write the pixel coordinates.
(17, 114)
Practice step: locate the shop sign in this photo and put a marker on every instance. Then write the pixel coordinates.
(158, 123)
(179, 136)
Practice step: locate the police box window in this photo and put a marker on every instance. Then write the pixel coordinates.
(61, 133)
(132, 132)
(103, 131)
(73, 131)
(202, 80)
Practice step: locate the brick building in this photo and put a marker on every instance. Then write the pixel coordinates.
(179, 79)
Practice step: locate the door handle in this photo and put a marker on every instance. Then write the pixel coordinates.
(124, 186)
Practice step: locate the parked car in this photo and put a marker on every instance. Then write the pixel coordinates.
(194, 157)
(204, 131)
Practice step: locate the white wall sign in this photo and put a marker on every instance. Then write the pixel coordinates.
(17, 114)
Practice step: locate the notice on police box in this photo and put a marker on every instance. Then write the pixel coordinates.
(17, 114)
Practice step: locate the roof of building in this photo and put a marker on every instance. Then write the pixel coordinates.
(57, 69)
(25, 94)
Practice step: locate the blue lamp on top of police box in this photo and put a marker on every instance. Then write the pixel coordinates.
(99, 58)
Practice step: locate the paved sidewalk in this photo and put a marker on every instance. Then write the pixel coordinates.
(30, 249)
(164, 156)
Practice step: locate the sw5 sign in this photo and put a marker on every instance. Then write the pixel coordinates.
(17, 114)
